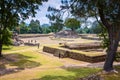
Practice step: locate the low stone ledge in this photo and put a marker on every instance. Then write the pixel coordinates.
(63, 53)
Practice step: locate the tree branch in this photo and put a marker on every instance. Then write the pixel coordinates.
(102, 17)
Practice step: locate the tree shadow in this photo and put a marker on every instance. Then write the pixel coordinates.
(50, 77)
(17, 62)
(77, 74)
(6, 48)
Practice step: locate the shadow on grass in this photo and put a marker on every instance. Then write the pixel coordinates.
(112, 76)
(17, 63)
(50, 77)
(6, 48)
(75, 74)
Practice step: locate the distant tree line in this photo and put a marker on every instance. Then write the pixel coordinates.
(33, 27)
(71, 23)
(94, 29)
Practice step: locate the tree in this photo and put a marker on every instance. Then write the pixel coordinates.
(55, 18)
(86, 30)
(35, 27)
(109, 13)
(96, 28)
(56, 22)
(12, 11)
(72, 23)
(23, 28)
(79, 30)
(46, 28)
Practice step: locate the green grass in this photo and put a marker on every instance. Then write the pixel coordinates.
(113, 76)
(66, 74)
(32, 65)
(13, 48)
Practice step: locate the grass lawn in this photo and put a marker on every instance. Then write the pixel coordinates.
(29, 64)
(113, 76)
(13, 48)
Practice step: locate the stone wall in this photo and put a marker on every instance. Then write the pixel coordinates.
(56, 52)
(34, 35)
(48, 49)
(83, 46)
(61, 52)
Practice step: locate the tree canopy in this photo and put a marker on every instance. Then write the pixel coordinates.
(56, 21)
(12, 11)
(109, 13)
(22, 28)
(34, 27)
(72, 23)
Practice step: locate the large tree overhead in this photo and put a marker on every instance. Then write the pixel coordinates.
(72, 23)
(12, 11)
(109, 13)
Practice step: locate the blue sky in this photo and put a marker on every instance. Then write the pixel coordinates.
(41, 14)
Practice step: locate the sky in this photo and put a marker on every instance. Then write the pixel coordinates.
(41, 14)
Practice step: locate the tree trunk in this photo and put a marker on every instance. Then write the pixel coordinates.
(113, 31)
(0, 48)
(111, 52)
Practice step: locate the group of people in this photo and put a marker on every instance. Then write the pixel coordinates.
(34, 41)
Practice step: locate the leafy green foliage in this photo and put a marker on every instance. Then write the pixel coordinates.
(96, 28)
(12, 11)
(22, 28)
(46, 30)
(56, 22)
(72, 23)
(109, 13)
(35, 27)
(7, 34)
(104, 35)
(55, 18)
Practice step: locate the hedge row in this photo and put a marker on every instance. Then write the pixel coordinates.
(63, 53)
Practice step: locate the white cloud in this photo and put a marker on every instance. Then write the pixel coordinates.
(41, 14)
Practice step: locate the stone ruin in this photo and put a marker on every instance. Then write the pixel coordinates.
(83, 46)
(88, 52)
(66, 34)
(16, 40)
(32, 43)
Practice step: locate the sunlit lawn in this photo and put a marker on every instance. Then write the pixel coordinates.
(32, 65)
(13, 48)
